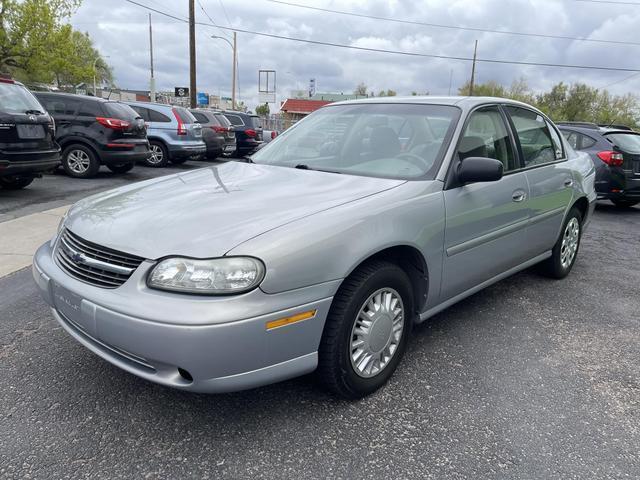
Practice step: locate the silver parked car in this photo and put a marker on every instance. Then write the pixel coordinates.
(174, 134)
(320, 254)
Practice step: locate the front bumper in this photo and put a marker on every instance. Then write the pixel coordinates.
(218, 354)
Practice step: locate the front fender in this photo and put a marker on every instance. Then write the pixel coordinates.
(329, 245)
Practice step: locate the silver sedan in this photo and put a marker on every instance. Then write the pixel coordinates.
(323, 251)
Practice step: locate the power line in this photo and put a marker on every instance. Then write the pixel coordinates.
(209, 17)
(615, 2)
(224, 10)
(629, 77)
(472, 29)
(400, 52)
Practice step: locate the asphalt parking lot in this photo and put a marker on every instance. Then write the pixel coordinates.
(531, 378)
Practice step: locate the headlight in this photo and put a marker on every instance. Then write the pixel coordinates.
(217, 276)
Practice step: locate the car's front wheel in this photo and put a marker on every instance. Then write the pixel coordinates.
(367, 330)
(15, 182)
(565, 251)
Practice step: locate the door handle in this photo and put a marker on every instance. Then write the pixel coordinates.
(519, 196)
(568, 182)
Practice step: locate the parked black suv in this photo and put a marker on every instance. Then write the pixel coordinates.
(27, 144)
(93, 131)
(248, 132)
(615, 151)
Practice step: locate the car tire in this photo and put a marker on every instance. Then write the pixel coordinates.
(625, 203)
(179, 160)
(15, 182)
(122, 168)
(367, 292)
(565, 251)
(79, 161)
(158, 155)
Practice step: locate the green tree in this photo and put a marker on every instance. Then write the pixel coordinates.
(35, 44)
(489, 89)
(388, 93)
(262, 110)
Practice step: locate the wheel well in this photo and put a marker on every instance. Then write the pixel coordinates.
(73, 142)
(583, 207)
(412, 262)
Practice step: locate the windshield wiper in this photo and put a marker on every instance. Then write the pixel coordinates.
(302, 166)
(33, 112)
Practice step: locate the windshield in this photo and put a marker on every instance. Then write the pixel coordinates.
(627, 142)
(15, 98)
(382, 140)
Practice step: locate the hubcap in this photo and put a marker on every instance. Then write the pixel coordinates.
(78, 161)
(376, 333)
(570, 240)
(156, 154)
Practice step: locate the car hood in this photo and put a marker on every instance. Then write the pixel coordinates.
(206, 212)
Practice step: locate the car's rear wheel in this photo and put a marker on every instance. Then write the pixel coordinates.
(15, 182)
(80, 161)
(122, 168)
(367, 330)
(158, 157)
(625, 203)
(565, 251)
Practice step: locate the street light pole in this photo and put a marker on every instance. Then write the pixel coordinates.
(233, 67)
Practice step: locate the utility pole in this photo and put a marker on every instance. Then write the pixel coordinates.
(233, 81)
(152, 80)
(192, 53)
(450, 81)
(473, 69)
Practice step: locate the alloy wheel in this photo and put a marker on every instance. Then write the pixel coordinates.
(376, 333)
(570, 240)
(78, 161)
(157, 155)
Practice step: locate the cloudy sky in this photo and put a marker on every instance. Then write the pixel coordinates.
(119, 30)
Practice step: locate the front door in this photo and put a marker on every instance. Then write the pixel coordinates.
(485, 222)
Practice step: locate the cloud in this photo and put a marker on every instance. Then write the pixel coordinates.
(121, 32)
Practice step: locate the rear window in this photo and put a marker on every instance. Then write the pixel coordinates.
(185, 115)
(121, 111)
(627, 142)
(15, 98)
(201, 117)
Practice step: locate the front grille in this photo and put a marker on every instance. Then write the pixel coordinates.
(94, 264)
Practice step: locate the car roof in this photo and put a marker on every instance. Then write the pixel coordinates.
(89, 98)
(591, 131)
(154, 104)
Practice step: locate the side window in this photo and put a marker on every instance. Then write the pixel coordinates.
(571, 138)
(90, 109)
(143, 112)
(200, 117)
(535, 138)
(235, 120)
(586, 142)
(486, 135)
(158, 117)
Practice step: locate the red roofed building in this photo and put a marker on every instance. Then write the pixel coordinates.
(295, 109)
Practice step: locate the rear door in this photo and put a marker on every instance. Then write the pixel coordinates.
(550, 179)
(63, 108)
(485, 221)
(24, 123)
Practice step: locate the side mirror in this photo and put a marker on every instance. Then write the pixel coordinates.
(479, 169)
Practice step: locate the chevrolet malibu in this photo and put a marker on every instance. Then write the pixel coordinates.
(323, 250)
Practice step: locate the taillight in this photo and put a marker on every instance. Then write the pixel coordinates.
(113, 123)
(274, 134)
(182, 130)
(250, 133)
(613, 159)
(219, 129)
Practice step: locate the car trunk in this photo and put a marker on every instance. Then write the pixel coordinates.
(136, 128)
(193, 128)
(627, 143)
